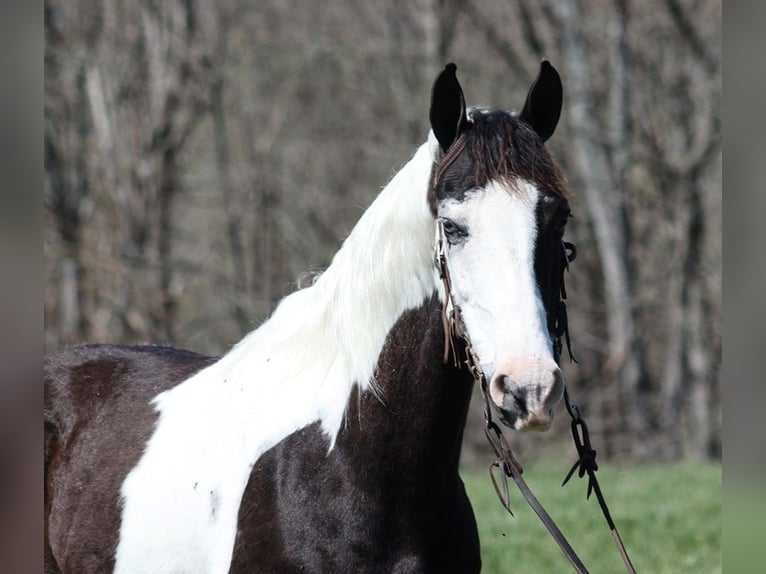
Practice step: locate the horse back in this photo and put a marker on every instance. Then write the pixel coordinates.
(98, 416)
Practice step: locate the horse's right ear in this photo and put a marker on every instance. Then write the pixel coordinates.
(447, 113)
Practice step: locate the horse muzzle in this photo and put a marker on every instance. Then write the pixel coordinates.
(525, 397)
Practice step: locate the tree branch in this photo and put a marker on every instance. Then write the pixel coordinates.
(502, 47)
(690, 35)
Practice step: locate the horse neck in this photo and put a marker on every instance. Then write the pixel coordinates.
(384, 267)
(331, 333)
(411, 430)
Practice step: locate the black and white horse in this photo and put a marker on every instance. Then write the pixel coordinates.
(328, 439)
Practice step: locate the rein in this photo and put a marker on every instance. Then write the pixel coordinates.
(506, 465)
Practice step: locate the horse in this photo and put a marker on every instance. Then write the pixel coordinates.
(328, 439)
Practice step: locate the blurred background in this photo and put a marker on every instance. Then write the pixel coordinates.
(201, 156)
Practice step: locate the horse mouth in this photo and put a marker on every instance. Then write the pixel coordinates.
(526, 421)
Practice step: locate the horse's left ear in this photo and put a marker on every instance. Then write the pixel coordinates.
(543, 106)
(447, 113)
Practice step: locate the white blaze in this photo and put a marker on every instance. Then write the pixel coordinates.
(494, 283)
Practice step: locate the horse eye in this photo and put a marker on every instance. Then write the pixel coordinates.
(452, 231)
(562, 223)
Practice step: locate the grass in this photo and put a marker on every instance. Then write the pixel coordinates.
(669, 519)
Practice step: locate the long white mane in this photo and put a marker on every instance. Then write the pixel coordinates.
(298, 368)
(322, 340)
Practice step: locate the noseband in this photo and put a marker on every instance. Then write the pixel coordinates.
(506, 465)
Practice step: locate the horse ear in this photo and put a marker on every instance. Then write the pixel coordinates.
(543, 106)
(447, 113)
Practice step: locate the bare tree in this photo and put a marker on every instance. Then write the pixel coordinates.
(599, 162)
(137, 77)
(682, 141)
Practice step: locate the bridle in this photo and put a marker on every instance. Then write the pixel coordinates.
(506, 465)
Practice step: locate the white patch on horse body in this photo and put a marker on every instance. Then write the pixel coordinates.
(181, 502)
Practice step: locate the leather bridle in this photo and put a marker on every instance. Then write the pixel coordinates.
(506, 465)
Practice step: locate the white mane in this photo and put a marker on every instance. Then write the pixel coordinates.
(322, 340)
(298, 368)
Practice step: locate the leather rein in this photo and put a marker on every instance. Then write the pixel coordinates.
(506, 465)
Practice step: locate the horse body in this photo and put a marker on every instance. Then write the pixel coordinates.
(305, 507)
(328, 439)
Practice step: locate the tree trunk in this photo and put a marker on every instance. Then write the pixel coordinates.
(240, 306)
(604, 195)
(168, 304)
(689, 426)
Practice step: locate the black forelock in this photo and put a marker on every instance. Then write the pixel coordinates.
(501, 147)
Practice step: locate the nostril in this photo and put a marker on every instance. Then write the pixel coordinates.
(520, 397)
(506, 393)
(498, 387)
(556, 390)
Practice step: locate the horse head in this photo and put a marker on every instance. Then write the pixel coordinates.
(501, 204)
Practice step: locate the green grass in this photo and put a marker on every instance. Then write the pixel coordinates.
(669, 519)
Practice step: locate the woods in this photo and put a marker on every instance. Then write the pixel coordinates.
(202, 159)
